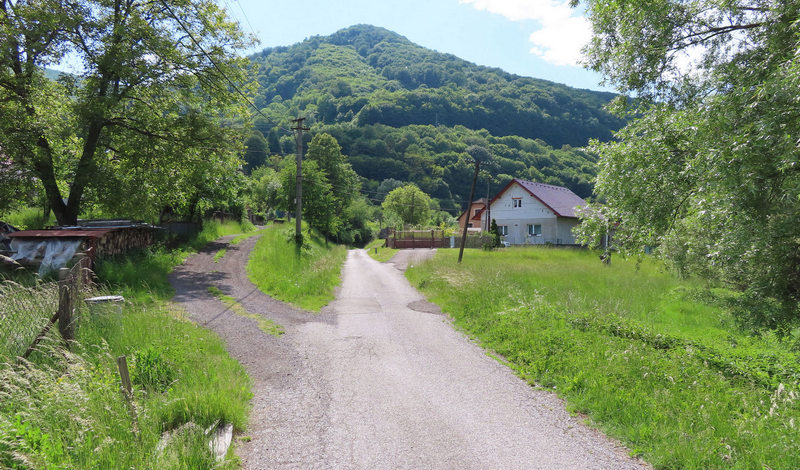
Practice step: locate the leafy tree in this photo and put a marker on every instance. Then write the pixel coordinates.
(264, 189)
(409, 203)
(494, 232)
(325, 150)
(274, 142)
(146, 101)
(318, 199)
(256, 151)
(387, 186)
(709, 170)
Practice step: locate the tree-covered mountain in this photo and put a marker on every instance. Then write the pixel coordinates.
(405, 112)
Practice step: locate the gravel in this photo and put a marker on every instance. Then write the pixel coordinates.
(381, 379)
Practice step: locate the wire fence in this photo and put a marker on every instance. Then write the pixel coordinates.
(24, 312)
(28, 313)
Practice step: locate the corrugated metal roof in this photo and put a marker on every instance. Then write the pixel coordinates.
(97, 233)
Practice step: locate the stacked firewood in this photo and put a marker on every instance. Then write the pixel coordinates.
(121, 240)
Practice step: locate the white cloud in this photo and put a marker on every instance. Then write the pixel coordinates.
(563, 30)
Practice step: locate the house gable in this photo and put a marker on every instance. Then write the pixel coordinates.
(559, 200)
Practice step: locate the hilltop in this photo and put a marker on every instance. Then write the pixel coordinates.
(406, 112)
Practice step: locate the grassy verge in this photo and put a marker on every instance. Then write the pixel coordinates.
(264, 324)
(653, 361)
(65, 409)
(306, 279)
(379, 252)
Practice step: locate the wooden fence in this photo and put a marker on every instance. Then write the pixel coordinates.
(405, 239)
(409, 239)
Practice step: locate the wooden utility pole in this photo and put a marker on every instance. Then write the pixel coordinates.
(469, 206)
(488, 212)
(298, 215)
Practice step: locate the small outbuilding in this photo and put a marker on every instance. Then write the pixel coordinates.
(472, 216)
(52, 249)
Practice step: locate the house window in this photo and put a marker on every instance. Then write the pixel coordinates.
(503, 229)
(469, 225)
(476, 212)
(534, 230)
(516, 202)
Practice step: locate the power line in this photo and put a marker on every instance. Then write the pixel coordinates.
(246, 19)
(217, 67)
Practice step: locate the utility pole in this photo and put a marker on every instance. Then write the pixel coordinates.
(469, 206)
(298, 215)
(488, 211)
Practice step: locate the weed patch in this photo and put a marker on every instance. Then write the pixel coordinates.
(65, 410)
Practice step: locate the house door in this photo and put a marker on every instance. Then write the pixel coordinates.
(516, 236)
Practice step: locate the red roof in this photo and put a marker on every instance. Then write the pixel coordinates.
(558, 199)
(97, 233)
(474, 203)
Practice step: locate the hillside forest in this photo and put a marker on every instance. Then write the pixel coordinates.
(405, 113)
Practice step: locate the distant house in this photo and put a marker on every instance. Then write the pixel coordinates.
(535, 213)
(472, 216)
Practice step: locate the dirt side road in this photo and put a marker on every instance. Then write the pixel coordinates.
(380, 380)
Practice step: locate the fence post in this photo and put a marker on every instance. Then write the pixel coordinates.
(83, 275)
(127, 390)
(65, 302)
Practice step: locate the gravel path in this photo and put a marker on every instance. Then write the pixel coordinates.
(380, 379)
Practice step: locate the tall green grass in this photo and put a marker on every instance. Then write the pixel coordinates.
(653, 361)
(306, 278)
(28, 218)
(65, 410)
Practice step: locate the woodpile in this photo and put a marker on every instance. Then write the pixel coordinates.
(122, 240)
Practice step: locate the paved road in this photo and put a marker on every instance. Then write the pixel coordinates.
(380, 379)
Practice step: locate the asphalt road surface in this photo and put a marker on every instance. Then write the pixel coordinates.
(380, 379)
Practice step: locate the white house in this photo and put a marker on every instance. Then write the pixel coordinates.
(535, 213)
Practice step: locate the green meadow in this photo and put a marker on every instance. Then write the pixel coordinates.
(654, 361)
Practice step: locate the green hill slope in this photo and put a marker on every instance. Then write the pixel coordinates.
(406, 112)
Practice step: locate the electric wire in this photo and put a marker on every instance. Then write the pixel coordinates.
(218, 68)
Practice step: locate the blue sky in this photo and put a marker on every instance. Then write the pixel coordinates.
(535, 38)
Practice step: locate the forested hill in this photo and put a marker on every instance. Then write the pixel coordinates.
(370, 75)
(406, 113)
